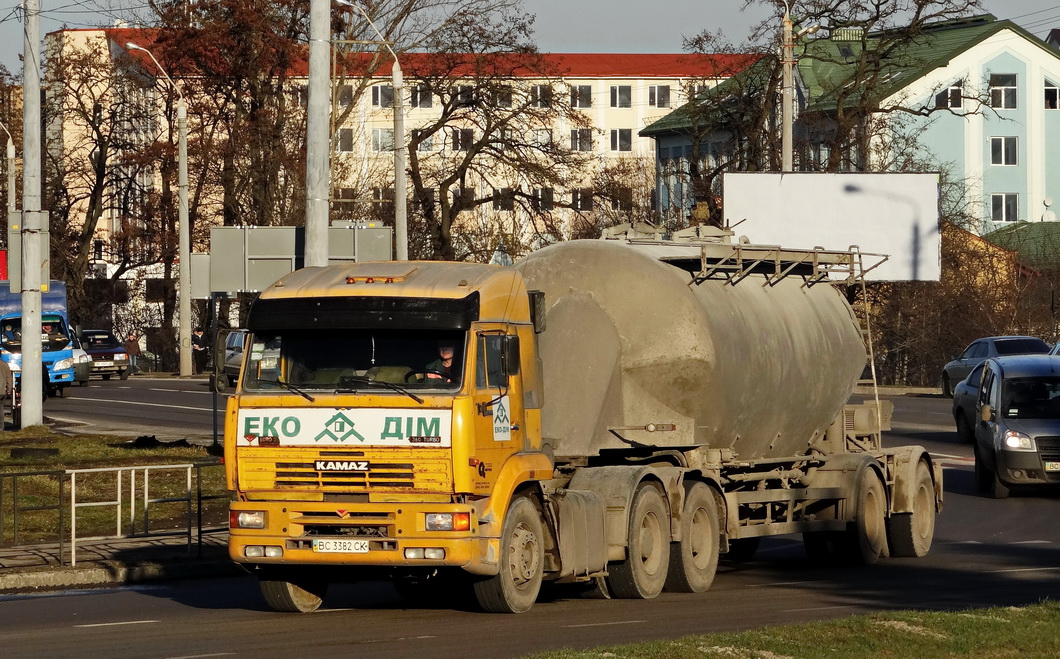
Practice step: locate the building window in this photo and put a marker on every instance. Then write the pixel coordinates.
(463, 138)
(621, 96)
(1003, 90)
(301, 95)
(542, 200)
(581, 199)
(503, 199)
(383, 203)
(542, 137)
(422, 96)
(465, 95)
(951, 97)
(1052, 95)
(383, 96)
(345, 194)
(623, 199)
(345, 94)
(382, 139)
(1003, 151)
(1004, 207)
(502, 97)
(581, 139)
(659, 96)
(345, 141)
(426, 142)
(581, 96)
(622, 139)
(541, 96)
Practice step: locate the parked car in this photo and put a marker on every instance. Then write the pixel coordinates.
(965, 397)
(982, 349)
(1017, 432)
(108, 356)
(82, 361)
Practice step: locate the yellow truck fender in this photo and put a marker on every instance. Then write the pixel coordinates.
(517, 470)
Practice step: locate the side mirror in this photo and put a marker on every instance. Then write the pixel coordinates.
(987, 413)
(510, 356)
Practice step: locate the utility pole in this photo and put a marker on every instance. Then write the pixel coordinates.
(11, 207)
(33, 375)
(318, 143)
(184, 228)
(787, 96)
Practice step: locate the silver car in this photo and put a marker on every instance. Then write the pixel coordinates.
(1017, 434)
(985, 348)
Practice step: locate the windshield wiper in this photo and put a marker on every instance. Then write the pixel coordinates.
(388, 385)
(290, 387)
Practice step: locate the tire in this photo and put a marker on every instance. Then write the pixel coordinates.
(866, 535)
(106, 376)
(694, 560)
(742, 550)
(964, 429)
(947, 390)
(292, 597)
(998, 490)
(643, 574)
(515, 588)
(124, 374)
(912, 533)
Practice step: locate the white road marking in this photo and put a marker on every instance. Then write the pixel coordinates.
(133, 402)
(606, 624)
(181, 391)
(400, 638)
(115, 624)
(1032, 542)
(1022, 569)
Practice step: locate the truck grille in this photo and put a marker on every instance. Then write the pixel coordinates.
(388, 469)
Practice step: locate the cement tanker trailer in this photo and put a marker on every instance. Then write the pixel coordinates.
(614, 413)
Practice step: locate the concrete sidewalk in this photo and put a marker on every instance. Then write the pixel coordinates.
(114, 561)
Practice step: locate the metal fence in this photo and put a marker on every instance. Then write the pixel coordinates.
(131, 505)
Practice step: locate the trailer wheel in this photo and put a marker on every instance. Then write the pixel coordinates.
(292, 597)
(866, 536)
(694, 560)
(515, 588)
(912, 533)
(643, 574)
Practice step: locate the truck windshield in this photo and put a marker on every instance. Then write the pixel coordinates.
(354, 360)
(53, 334)
(1031, 398)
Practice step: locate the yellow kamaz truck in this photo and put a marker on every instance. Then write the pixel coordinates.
(610, 412)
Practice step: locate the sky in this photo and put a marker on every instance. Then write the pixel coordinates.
(562, 25)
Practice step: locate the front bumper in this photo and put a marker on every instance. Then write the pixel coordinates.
(389, 530)
(1027, 468)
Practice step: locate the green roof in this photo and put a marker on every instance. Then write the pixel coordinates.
(1036, 243)
(827, 66)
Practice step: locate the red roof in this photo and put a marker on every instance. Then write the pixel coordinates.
(568, 65)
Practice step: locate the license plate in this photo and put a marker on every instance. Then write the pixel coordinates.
(104, 363)
(325, 546)
(1052, 466)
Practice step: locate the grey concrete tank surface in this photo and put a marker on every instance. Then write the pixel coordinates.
(631, 340)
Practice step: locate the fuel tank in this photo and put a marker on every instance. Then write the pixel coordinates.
(636, 353)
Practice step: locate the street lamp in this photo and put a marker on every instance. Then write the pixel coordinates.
(184, 271)
(788, 89)
(401, 237)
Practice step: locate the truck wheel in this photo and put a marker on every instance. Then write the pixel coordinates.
(911, 533)
(292, 597)
(866, 536)
(515, 588)
(694, 560)
(643, 573)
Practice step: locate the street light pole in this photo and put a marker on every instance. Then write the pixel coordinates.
(318, 121)
(401, 235)
(787, 97)
(184, 235)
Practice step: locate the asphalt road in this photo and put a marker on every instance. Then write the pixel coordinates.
(986, 553)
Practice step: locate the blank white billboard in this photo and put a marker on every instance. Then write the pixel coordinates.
(892, 214)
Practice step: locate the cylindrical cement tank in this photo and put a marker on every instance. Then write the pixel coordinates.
(631, 341)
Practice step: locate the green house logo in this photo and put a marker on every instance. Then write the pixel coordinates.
(339, 428)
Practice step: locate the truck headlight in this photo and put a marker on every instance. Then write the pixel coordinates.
(448, 521)
(1017, 441)
(246, 519)
(63, 364)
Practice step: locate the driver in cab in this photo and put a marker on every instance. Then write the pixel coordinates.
(442, 368)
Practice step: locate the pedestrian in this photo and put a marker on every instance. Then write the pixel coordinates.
(132, 347)
(199, 350)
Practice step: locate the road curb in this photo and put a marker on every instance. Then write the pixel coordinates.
(110, 573)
